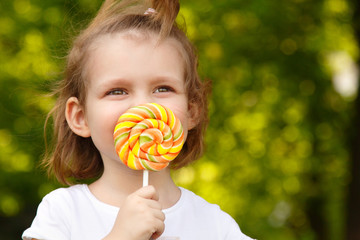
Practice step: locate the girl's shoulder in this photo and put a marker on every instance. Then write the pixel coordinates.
(190, 202)
(76, 197)
(55, 214)
(67, 193)
(64, 199)
(68, 212)
(190, 199)
(208, 218)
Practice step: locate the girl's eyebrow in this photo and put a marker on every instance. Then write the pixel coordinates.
(155, 79)
(111, 83)
(167, 79)
(114, 81)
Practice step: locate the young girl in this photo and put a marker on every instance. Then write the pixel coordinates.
(131, 53)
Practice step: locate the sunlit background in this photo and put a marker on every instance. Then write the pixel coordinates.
(285, 81)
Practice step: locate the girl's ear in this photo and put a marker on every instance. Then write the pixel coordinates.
(75, 117)
(194, 114)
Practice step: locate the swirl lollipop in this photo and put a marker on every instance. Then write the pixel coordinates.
(148, 137)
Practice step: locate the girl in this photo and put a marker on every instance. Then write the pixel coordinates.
(131, 53)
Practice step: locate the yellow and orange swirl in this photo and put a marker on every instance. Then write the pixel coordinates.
(148, 136)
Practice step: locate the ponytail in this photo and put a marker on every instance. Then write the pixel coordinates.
(164, 15)
(166, 12)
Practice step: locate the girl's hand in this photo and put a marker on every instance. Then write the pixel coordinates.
(140, 217)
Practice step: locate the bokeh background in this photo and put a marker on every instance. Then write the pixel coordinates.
(283, 142)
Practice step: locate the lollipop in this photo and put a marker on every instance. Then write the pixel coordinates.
(148, 137)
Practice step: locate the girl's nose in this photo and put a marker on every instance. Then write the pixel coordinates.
(141, 99)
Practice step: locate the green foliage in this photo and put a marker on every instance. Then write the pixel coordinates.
(276, 154)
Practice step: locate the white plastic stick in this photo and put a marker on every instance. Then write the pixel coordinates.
(145, 178)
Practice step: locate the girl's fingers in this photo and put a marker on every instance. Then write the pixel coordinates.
(160, 227)
(159, 215)
(148, 192)
(142, 206)
(154, 204)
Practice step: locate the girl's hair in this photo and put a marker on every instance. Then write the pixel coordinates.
(75, 158)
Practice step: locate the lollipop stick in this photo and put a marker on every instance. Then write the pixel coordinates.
(145, 178)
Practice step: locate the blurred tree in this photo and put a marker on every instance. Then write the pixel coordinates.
(279, 113)
(277, 158)
(33, 34)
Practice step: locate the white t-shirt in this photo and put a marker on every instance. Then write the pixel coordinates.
(75, 213)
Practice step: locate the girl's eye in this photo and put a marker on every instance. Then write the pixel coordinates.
(163, 89)
(117, 92)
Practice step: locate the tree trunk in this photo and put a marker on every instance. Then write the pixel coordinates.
(353, 201)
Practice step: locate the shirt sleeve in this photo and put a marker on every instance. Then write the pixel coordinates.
(51, 221)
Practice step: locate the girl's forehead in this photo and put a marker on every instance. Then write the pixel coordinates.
(136, 37)
(132, 45)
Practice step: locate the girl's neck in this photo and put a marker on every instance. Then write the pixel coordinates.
(115, 185)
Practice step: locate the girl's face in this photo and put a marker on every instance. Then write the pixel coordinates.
(124, 71)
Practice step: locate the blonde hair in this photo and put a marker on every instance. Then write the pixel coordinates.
(75, 158)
